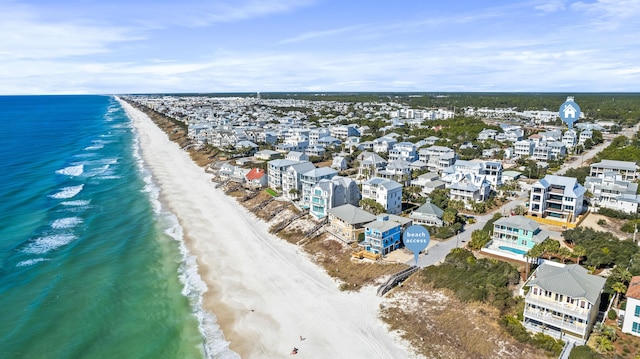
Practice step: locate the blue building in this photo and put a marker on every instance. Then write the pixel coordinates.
(384, 234)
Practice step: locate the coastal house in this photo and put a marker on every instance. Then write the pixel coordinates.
(267, 155)
(403, 151)
(428, 182)
(370, 164)
(468, 187)
(276, 170)
(437, 158)
(384, 234)
(611, 191)
(428, 214)
(491, 170)
(331, 193)
(570, 138)
(291, 179)
(557, 197)
(523, 148)
(256, 178)
(631, 322)
(628, 171)
(515, 236)
(347, 222)
(562, 301)
(384, 191)
(339, 163)
(383, 144)
(397, 170)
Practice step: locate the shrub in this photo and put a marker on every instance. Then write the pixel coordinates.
(583, 352)
(602, 222)
(612, 314)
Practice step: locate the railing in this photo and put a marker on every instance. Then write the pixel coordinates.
(395, 280)
(570, 309)
(562, 324)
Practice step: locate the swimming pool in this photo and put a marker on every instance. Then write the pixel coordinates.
(512, 250)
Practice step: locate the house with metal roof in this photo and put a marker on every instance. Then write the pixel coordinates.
(562, 301)
(384, 234)
(629, 171)
(347, 222)
(557, 197)
(330, 193)
(611, 191)
(384, 191)
(514, 236)
(428, 214)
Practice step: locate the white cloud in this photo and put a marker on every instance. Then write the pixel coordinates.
(551, 6)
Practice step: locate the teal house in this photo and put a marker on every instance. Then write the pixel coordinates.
(516, 235)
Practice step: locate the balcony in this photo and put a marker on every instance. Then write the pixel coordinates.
(561, 307)
(556, 321)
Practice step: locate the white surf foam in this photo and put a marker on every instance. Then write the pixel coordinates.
(42, 245)
(68, 222)
(68, 192)
(30, 262)
(76, 203)
(75, 170)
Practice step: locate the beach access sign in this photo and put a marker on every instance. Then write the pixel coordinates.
(416, 238)
(569, 111)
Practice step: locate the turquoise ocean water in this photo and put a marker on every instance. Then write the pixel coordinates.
(89, 262)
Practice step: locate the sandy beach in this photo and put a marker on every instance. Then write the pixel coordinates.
(266, 293)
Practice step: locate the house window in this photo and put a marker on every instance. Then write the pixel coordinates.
(535, 290)
(636, 327)
(637, 313)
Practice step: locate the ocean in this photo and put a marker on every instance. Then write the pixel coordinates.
(91, 264)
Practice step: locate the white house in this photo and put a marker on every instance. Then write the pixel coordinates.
(631, 323)
(562, 301)
(384, 191)
(557, 197)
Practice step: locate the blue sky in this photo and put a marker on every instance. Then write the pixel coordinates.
(144, 46)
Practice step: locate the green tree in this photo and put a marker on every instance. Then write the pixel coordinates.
(619, 288)
(372, 206)
(479, 239)
(449, 216)
(579, 252)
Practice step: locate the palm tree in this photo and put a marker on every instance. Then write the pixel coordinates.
(564, 253)
(579, 252)
(619, 288)
(603, 344)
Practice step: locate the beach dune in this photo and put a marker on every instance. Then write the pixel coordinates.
(266, 293)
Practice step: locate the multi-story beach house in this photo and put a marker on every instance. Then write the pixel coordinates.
(468, 187)
(370, 164)
(611, 191)
(403, 151)
(437, 158)
(291, 184)
(523, 148)
(562, 301)
(631, 322)
(428, 182)
(490, 170)
(384, 144)
(516, 235)
(256, 178)
(397, 170)
(428, 214)
(384, 234)
(384, 191)
(331, 193)
(309, 179)
(557, 197)
(347, 222)
(344, 131)
(570, 138)
(628, 171)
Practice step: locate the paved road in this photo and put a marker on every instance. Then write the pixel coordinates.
(437, 250)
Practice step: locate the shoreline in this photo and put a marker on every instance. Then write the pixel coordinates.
(265, 292)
